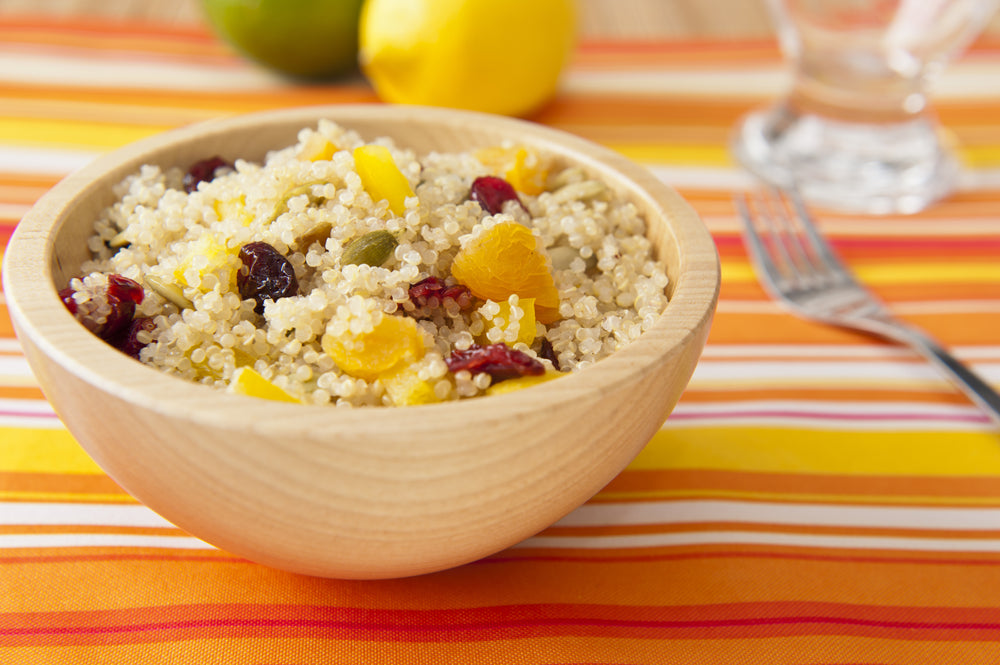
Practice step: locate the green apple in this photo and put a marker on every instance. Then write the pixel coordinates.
(303, 38)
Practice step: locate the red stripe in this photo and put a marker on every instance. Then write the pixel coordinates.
(715, 621)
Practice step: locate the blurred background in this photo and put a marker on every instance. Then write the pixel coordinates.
(598, 18)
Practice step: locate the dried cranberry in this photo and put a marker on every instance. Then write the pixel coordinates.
(491, 193)
(66, 295)
(203, 171)
(549, 353)
(265, 275)
(106, 312)
(429, 294)
(128, 341)
(498, 360)
(124, 288)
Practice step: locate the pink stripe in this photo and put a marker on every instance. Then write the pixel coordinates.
(27, 414)
(930, 417)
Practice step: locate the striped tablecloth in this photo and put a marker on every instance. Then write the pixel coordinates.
(817, 497)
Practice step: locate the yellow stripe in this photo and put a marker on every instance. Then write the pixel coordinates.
(985, 156)
(896, 273)
(788, 450)
(701, 155)
(796, 497)
(100, 135)
(42, 451)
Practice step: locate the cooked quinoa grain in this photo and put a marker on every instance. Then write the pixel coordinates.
(365, 236)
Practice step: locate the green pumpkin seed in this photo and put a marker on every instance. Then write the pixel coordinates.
(281, 207)
(168, 291)
(317, 234)
(373, 248)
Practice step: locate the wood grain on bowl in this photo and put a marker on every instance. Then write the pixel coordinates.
(356, 493)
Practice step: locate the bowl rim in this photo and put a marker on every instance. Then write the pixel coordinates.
(35, 308)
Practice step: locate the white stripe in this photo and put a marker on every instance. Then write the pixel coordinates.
(756, 538)
(14, 366)
(16, 513)
(913, 414)
(47, 161)
(9, 344)
(26, 406)
(13, 210)
(594, 515)
(831, 351)
(760, 512)
(41, 69)
(967, 79)
(45, 540)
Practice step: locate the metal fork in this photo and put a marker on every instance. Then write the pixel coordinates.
(798, 268)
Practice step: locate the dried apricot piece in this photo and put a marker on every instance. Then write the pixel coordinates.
(365, 355)
(381, 178)
(504, 260)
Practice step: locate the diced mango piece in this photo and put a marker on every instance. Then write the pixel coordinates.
(236, 209)
(381, 178)
(510, 385)
(317, 148)
(521, 167)
(247, 381)
(216, 256)
(405, 387)
(526, 330)
(393, 340)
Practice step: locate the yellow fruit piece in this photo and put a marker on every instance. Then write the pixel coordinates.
(526, 329)
(497, 57)
(405, 387)
(206, 256)
(522, 168)
(504, 260)
(233, 209)
(317, 148)
(393, 340)
(246, 381)
(381, 178)
(510, 385)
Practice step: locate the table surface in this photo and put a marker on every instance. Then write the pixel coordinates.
(817, 496)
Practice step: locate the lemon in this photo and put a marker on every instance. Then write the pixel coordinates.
(495, 56)
(302, 38)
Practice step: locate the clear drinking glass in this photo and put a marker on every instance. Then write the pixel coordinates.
(856, 131)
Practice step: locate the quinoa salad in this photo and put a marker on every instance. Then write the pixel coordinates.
(352, 272)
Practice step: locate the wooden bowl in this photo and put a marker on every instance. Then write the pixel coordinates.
(361, 493)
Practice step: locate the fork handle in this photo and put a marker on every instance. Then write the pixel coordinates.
(964, 378)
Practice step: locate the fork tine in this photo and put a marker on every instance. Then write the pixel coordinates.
(766, 268)
(819, 246)
(793, 246)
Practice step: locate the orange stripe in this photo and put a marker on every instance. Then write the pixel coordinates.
(80, 484)
(21, 392)
(781, 328)
(658, 576)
